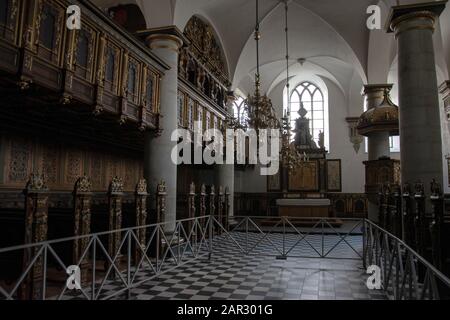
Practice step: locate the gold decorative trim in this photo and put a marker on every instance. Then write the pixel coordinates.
(163, 37)
(425, 16)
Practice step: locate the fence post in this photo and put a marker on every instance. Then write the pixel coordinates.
(82, 212)
(36, 217)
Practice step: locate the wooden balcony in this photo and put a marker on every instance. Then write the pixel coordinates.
(99, 81)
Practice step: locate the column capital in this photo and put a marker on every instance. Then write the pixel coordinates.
(377, 89)
(166, 38)
(420, 16)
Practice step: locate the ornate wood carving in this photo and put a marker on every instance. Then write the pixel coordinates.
(191, 208)
(212, 201)
(206, 48)
(141, 216)
(227, 208)
(62, 165)
(70, 65)
(161, 201)
(115, 195)
(202, 200)
(220, 208)
(36, 217)
(419, 217)
(82, 212)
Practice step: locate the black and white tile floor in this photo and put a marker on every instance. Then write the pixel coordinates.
(232, 275)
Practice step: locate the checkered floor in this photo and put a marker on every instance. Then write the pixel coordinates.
(230, 274)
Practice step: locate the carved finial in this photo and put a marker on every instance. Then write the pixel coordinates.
(116, 186)
(141, 187)
(192, 188)
(83, 185)
(396, 189)
(213, 190)
(161, 188)
(203, 189)
(406, 189)
(436, 191)
(220, 190)
(36, 183)
(227, 191)
(387, 189)
(419, 189)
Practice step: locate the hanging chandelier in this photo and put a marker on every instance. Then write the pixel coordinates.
(291, 157)
(258, 107)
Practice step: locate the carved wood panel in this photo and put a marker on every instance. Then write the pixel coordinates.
(63, 165)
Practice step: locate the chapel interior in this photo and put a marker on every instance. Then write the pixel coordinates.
(358, 90)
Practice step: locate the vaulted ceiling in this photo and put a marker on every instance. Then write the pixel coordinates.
(330, 34)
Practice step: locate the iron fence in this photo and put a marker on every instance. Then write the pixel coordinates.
(405, 275)
(113, 263)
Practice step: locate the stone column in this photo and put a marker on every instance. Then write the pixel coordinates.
(420, 125)
(225, 172)
(158, 165)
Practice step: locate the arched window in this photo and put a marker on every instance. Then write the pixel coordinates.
(240, 112)
(313, 101)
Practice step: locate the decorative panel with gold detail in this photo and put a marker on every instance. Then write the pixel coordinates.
(62, 164)
(205, 47)
(9, 10)
(305, 177)
(85, 45)
(49, 30)
(381, 171)
(181, 106)
(83, 67)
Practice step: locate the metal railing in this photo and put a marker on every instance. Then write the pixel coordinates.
(113, 263)
(405, 275)
(285, 237)
(126, 265)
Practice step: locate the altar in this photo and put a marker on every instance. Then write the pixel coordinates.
(305, 184)
(317, 208)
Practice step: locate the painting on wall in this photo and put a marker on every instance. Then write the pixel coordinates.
(274, 182)
(448, 172)
(305, 177)
(334, 177)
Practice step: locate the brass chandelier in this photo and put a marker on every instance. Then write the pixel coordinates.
(291, 157)
(258, 107)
